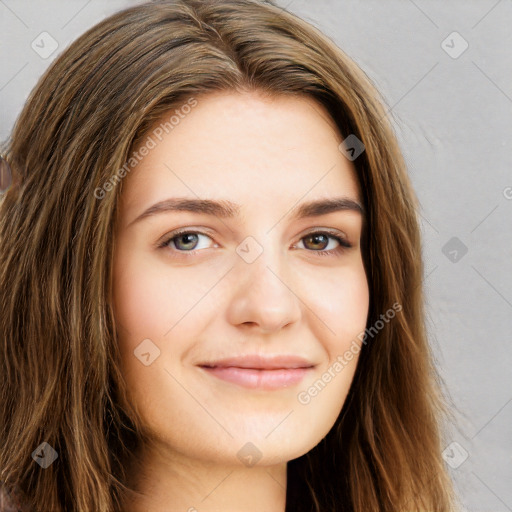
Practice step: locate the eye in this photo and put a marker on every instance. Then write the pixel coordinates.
(189, 241)
(323, 239)
(184, 241)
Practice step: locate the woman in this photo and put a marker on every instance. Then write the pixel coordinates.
(211, 277)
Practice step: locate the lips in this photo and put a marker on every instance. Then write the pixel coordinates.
(256, 371)
(260, 362)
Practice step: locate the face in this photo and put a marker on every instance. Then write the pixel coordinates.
(234, 315)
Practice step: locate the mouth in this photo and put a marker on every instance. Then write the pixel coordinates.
(257, 378)
(259, 372)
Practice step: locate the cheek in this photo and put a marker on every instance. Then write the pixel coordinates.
(341, 302)
(340, 313)
(145, 307)
(148, 299)
(137, 302)
(152, 303)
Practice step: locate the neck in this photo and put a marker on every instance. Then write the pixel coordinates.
(180, 484)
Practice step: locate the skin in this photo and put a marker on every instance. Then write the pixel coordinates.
(269, 156)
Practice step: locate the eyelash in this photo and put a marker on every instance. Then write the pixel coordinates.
(343, 243)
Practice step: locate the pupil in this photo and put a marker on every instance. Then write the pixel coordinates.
(316, 237)
(186, 238)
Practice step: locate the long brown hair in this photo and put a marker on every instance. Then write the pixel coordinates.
(60, 379)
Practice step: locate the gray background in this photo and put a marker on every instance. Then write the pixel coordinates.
(452, 114)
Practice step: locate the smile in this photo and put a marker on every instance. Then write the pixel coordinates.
(258, 378)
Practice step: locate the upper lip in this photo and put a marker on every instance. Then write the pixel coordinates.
(260, 362)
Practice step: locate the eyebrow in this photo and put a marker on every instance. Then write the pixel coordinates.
(227, 209)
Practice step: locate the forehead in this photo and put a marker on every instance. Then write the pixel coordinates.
(250, 148)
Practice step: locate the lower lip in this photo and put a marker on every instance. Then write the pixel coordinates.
(259, 379)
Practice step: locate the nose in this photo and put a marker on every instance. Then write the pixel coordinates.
(266, 294)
